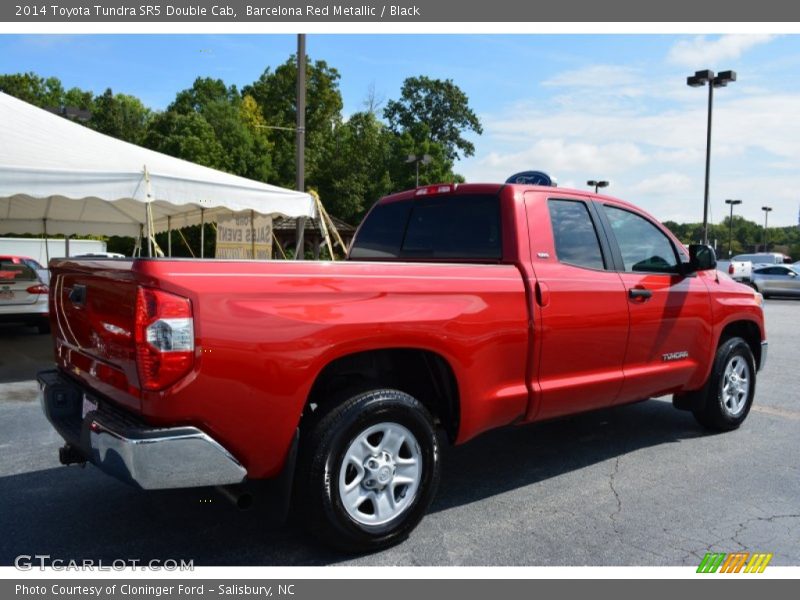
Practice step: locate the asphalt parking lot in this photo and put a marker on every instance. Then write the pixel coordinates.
(635, 485)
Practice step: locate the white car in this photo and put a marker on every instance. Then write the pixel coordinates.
(23, 292)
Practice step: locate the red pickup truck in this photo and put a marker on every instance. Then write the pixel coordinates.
(461, 308)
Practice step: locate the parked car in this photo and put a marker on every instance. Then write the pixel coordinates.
(738, 270)
(23, 292)
(461, 308)
(777, 280)
(763, 258)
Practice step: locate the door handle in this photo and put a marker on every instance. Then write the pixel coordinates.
(640, 294)
(77, 295)
(542, 293)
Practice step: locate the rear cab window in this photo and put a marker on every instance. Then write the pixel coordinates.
(462, 227)
(575, 235)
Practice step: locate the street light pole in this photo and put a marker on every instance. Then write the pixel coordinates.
(730, 224)
(300, 165)
(597, 184)
(767, 210)
(424, 159)
(701, 78)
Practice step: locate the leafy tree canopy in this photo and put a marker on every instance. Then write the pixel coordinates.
(441, 106)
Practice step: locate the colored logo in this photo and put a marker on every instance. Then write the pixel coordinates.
(736, 562)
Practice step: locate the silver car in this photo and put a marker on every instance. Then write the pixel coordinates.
(777, 280)
(23, 293)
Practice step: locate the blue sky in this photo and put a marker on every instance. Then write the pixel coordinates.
(581, 107)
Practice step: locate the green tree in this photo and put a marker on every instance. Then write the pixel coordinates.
(439, 105)
(119, 115)
(187, 136)
(275, 93)
(355, 169)
(417, 142)
(78, 98)
(236, 125)
(34, 89)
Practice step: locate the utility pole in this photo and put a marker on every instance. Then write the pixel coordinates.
(300, 226)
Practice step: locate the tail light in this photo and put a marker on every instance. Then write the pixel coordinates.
(730, 269)
(164, 338)
(37, 289)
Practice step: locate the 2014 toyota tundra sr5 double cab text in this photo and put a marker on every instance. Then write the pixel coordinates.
(461, 308)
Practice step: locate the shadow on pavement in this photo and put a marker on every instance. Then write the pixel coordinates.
(72, 513)
(23, 352)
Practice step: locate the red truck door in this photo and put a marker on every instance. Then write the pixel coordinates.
(670, 313)
(579, 309)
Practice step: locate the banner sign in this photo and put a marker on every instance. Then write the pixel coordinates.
(245, 235)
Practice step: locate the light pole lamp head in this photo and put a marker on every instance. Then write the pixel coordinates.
(724, 78)
(733, 202)
(766, 208)
(700, 78)
(692, 81)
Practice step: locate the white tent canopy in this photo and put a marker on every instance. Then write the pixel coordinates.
(66, 178)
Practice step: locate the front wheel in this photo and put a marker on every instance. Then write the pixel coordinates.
(368, 470)
(730, 389)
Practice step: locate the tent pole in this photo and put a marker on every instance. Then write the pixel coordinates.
(148, 212)
(202, 232)
(46, 245)
(169, 237)
(147, 228)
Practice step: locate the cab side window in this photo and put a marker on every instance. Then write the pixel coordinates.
(574, 234)
(644, 247)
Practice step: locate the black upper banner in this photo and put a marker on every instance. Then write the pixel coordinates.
(463, 11)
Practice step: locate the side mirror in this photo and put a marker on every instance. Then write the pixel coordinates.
(701, 258)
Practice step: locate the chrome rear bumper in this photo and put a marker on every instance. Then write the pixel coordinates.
(122, 446)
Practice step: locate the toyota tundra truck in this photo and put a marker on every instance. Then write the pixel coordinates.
(460, 308)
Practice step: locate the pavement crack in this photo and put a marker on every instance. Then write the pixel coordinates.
(613, 516)
(743, 525)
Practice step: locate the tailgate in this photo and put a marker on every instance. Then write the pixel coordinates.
(93, 305)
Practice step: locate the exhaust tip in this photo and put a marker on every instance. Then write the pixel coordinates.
(245, 501)
(236, 495)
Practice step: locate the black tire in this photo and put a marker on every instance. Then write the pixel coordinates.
(43, 326)
(718, 409)
(321, 465)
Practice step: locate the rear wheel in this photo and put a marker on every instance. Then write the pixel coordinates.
(368, 470)
(730, 389)
(43, 326)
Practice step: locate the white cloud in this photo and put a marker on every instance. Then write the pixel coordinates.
(653, 155)
(701, 52)
(595, 76)
(664, 184)
(559, 155)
